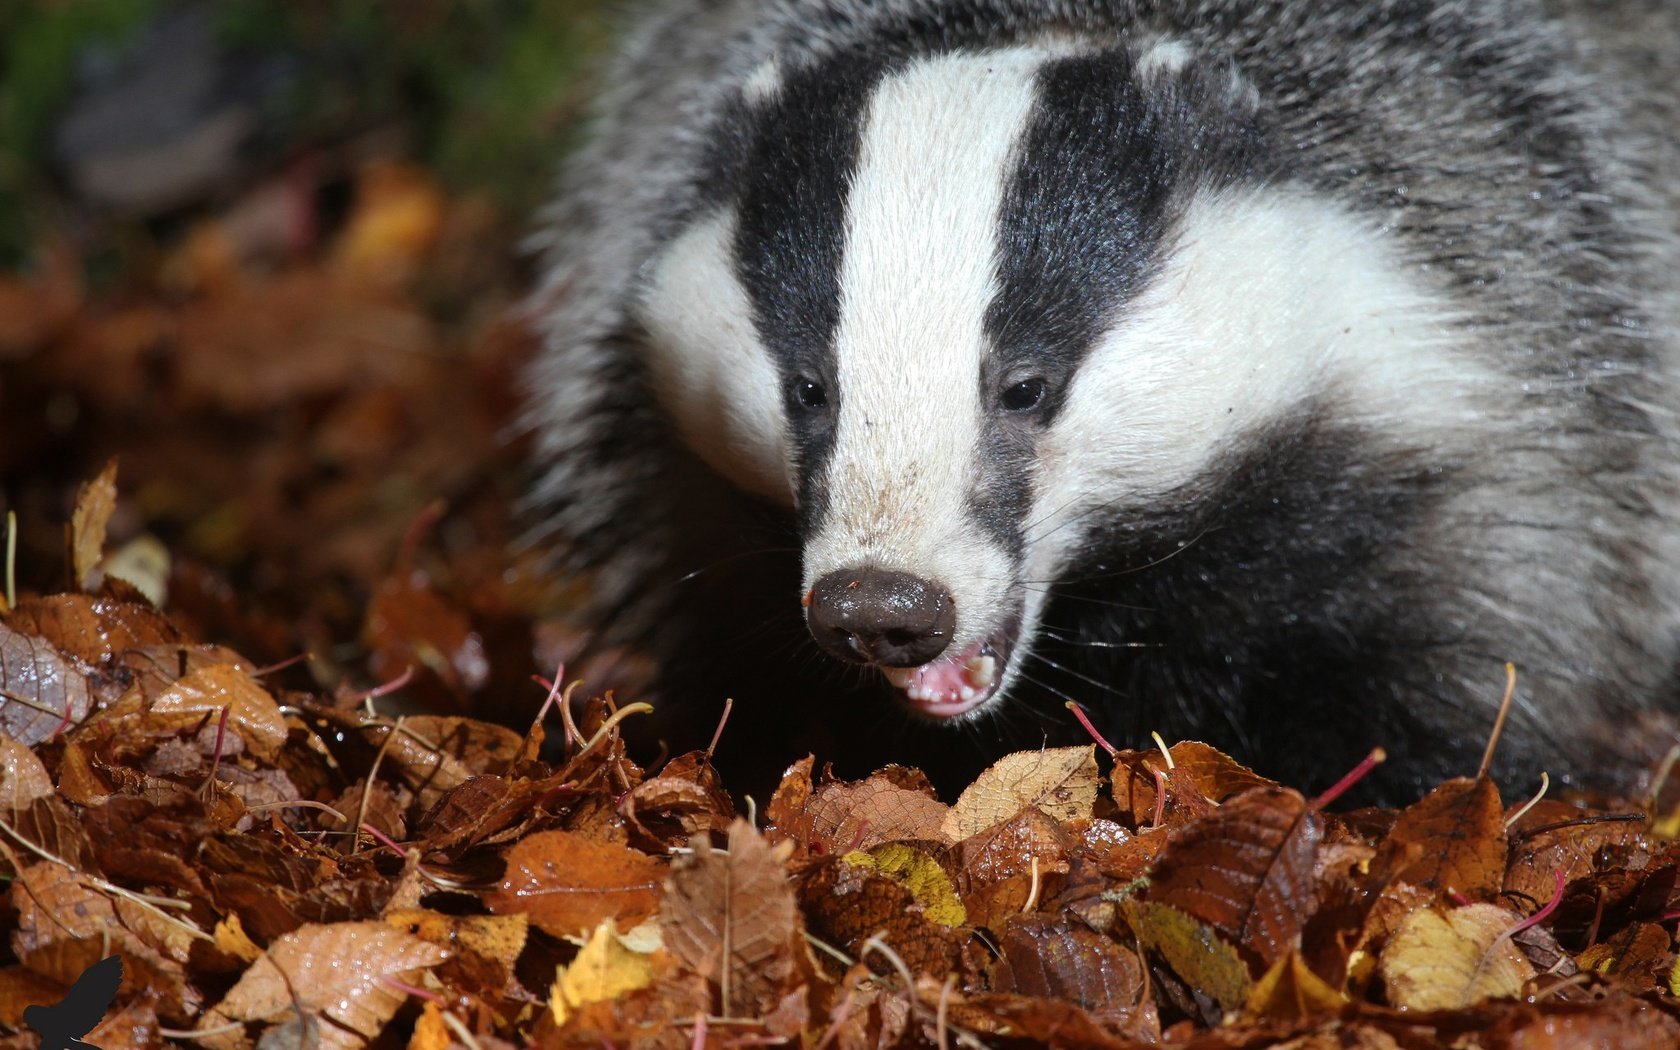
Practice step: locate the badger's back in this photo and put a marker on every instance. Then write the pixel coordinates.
(1422, 255)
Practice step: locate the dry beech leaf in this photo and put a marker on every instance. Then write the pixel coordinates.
(1200, 957)
(1052, 958)
(686, 799)
(1445, 960)
(212, 688)
(1030, 1021)
(605, 968)
(20, 987)
(568, 884)
(872, 811)
(1452, 840)
(96, 501)
(1246, 869)
(1060, 781)
(731, 918)
(481, 747)
(23, 778)
(338, 971)
(41, 689)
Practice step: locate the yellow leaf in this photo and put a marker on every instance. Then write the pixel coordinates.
(1194, 951)
(232, 938)
(430, 1031)
(603, 970)
(1290, 991)
(1449, 960)
(920, 874)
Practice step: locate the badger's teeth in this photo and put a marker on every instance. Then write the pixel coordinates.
(981, 669)
(899, 676)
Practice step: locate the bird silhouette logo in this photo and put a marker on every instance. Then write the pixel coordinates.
(62, 1025)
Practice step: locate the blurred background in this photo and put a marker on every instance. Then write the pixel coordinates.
(267, 256)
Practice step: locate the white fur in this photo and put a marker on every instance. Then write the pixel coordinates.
(1266, 302)
(709, 368)
(917, 275)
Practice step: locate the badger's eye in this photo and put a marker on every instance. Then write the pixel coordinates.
(810, 393)
(1023, 396)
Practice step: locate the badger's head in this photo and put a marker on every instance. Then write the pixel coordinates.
(962, 310)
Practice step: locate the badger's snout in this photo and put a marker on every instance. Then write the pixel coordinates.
(877, 616)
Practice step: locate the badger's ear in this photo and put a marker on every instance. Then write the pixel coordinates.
(705, 360)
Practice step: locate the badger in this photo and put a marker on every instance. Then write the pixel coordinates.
(1272, 372)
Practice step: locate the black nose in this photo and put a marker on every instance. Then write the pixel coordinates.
(889, 618)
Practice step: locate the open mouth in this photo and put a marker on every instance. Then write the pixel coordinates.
(956, 684)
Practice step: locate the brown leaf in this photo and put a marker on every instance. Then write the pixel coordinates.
(839, 817)
(409, 624)
(1052, 1022)
(337, 971)
(1004, 867)
(1557, 835)
(846, 904)
(1246, 870)
(1060, 781)
(93, 628)
(41, 690)
(567, 884)
(1051, 958)
(1452, 840)
(686, 799)
(96, 501)
(1199, 778)
(1641, 957)
(731, 918)
(252, 714)
(1447, 959)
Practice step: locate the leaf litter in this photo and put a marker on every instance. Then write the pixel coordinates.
(283, 859)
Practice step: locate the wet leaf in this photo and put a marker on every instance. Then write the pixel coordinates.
(41, 690)
(567, 884)
(918, 872)
(344, 972)
(1049, 958)
(1290, 991)
(1246, 870)
(1452, 840)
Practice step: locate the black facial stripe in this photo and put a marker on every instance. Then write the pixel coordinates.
(1084, 222)
(789, 238)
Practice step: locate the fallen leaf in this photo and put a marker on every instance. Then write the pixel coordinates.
(96, 501)
(23, 778)
(731, 918)
(1060, 781)
(1246, 869)
(1452, 840)
(1053, 958)
(919, 873)
(603, 970)
(41, 690)
(213, 688)
(1290, 991)
(1198, 778)
(1639, 956)
(567, 884)
(1006, 868)
(1448, 959)
(342, 972)
(1194, 951)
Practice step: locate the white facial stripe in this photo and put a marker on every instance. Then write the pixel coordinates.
(709, 368)
(916, 278)
(1267, 301)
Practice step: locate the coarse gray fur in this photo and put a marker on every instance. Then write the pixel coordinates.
(1521, 156)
